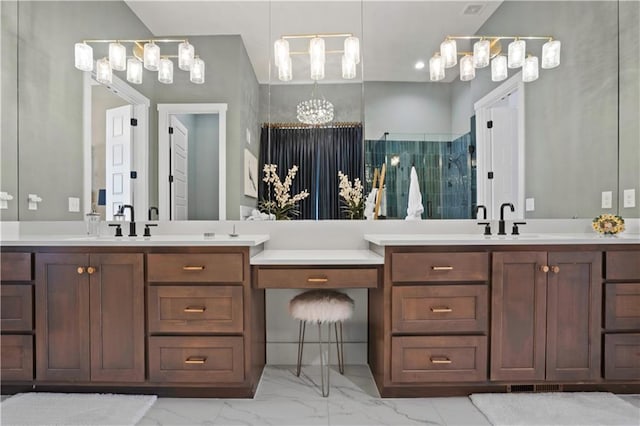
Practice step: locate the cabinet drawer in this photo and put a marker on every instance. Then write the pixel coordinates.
(16, 358)
(419, 267)
(622, 356)
(196, 359)
(438, 359)
(317, 278)
(622, 306)
(207, 309)
(204, 267)
(623, 265)
(439, 309)
(16, 307)
(15, 266)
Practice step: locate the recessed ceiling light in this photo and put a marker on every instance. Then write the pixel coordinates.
(419, 65)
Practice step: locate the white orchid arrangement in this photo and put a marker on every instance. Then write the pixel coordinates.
(283, 206)
(352, 198)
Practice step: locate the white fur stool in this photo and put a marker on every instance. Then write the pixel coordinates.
(322, 306)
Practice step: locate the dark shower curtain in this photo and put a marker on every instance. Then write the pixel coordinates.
(319, 154)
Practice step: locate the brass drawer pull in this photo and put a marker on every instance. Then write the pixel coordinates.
(555, 269)
(80, 270)
(441, 309)
(442, 268)
(193, 268)
(317, 280)
(195, 309)
(195, 360)
(544, 268)
(440, 360)
(91, 270)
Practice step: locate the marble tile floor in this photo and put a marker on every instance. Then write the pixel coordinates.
(284, 399)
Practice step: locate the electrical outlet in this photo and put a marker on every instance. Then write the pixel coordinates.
(248, 134)
(529, 204)
(629, 197)
(607, 199)
(74, 204)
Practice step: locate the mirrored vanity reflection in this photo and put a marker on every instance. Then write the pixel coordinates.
(578, 122)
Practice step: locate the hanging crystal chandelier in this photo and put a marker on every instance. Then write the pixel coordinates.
(488, 49)
(315, 111)
(145, 54)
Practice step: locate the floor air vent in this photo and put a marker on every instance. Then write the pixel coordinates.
(548, 388)
(534, 388)
(520, 388)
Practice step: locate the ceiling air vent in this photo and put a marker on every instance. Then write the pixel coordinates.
(473, 9)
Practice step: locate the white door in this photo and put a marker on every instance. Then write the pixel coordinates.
(179, 147)
(118, 158)
(503, 148)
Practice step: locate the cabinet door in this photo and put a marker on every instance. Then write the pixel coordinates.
(62, 317)
(117, 317)
(574, 313)
(518, 302)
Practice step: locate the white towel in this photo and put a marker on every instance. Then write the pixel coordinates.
(415, 208)
(370, 204)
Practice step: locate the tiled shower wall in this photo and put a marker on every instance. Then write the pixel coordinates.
(445, 168)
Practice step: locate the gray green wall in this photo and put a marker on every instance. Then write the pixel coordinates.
(9, 116)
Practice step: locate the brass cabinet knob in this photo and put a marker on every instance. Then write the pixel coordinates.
(80, 270)
(91, 270)
(555, 269)
(544, 268)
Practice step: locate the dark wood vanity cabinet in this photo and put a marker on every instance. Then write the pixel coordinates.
(545, 318)
(90, 317)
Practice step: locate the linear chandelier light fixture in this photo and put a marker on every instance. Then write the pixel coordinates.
(489, 49)
(350, 55)
(145, 53)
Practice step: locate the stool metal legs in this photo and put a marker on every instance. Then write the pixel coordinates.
(325, 361)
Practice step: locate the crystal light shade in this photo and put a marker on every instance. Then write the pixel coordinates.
(165, 71)
(151, 56)
(352, 49)
(530, 69)
(285, 71)
(186, 54)
(315, 111)
(467, 70)
(436, 67)
(134, 71)
(551, 54)
(449, 52)
(348, 68)
(280, 51)
(104, 74)
(499, 68)
(316, 50)
(516, 52)
(481, 49)
(117, 56)
(196, 74)
(84, 57)
(317, 69)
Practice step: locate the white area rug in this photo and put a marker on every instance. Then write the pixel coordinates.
(74, 409)
(579, 408)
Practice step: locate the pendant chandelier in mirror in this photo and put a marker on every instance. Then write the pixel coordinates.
(488, 50)
(350, 55)
(144, 54)
(315, 111)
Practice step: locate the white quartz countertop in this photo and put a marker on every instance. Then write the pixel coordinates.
(250, 240)
(479, 239)
(317, 257)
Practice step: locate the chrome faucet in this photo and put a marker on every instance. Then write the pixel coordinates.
(132, 224)
(501, 230)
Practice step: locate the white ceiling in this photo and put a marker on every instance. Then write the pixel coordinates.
(393, 34)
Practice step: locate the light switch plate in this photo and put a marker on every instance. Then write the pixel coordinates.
(74, 204)
(629, 197)
(607, 199)
(529, 204)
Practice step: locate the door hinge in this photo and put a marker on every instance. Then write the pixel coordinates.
(134, 122)
(490, 124)
(170, 178)
(170, 130)
(490, 175)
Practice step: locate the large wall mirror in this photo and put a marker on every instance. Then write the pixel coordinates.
(579, 121)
